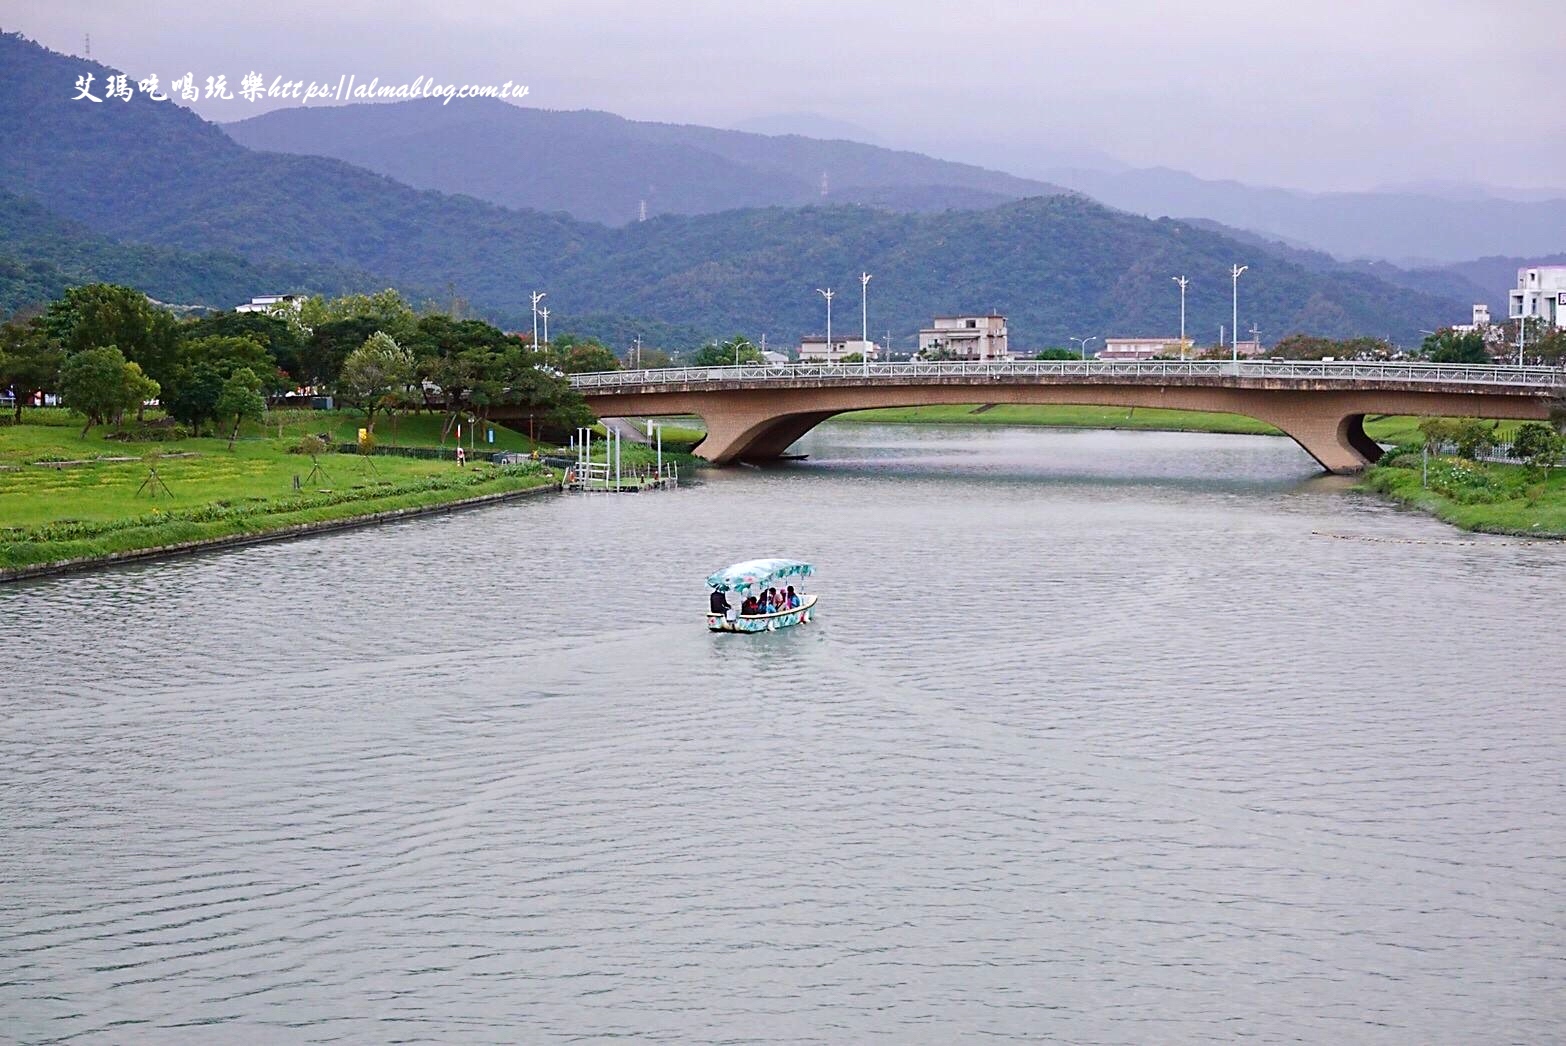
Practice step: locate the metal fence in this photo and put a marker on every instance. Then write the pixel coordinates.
(1535, 378)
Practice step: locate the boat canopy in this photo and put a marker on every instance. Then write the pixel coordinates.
(757, 573)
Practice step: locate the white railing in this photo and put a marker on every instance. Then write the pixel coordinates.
(1532, 378)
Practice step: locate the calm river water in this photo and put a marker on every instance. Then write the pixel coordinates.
(1098, 737)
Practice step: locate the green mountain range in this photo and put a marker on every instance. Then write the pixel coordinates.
(147, 173)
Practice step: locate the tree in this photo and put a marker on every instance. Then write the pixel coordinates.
(100, 314)
(737, 349)
(386, 310)
(1538, 444)
(282, 342)
(139, 388)
(853, 357)
(648, 359)
(101, 385)
(240, 398)
(1449, 346)
(1437, 433)
(570, 355)
(193, 400)
(1474, 438)
(1057, 354)
(330, 344)
(373, 370)
(204, 365)
(32, 360)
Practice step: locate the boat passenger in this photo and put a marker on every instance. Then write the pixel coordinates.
(748, 607)
(793, 598)
(719, 602)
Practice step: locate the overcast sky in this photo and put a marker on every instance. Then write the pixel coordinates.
(1313, 94)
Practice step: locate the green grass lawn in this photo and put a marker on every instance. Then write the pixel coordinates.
(1491, 497)
(1390, 429)
(100, 504)
(1065, 416)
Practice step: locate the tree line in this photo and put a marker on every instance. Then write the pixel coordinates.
(106, 350)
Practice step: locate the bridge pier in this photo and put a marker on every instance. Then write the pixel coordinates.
(1338, 443)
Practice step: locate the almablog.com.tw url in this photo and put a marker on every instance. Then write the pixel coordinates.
(254, 87)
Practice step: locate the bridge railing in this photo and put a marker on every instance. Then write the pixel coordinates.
(858, 373)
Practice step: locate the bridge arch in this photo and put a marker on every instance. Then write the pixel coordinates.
(1338, 443)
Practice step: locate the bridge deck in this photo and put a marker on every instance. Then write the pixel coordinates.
(1258, 374)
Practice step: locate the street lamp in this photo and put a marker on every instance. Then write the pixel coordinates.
(1234, 274)
(1083, 342)
(538, 296)
(1182, 281)
(652, 427)
(827, 294)
(544, 312)
(864, 318)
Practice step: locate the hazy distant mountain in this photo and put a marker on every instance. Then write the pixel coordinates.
(1448, 189)
(1405, 228)
(600, 167)
(1446, 283)
(809, 125)
(156, 173)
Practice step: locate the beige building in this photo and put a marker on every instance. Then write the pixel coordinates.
(813, 348)
(1139, 348)
(966, 337)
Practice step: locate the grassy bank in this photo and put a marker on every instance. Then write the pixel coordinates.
(64, 496)
(1488, 497)
(1392, 429)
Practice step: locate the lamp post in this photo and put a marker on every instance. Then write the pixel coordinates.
(538, 296)
(827, 294)
(652, 427)
(1182, 281)
(864, 318)
(1083, 344)
(1234, 274)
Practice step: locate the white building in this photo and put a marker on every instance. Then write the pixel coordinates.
(774, 359)
(1480, 322)
(813, 348)
(966, 337)
(268, 302)
(1138, 348)
(1540, 294)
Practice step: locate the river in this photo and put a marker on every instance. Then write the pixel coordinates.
(1098, 737)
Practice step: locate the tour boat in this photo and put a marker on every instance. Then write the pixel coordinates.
(752, 578)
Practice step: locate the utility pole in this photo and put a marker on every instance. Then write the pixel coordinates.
(864, 318)
(544, 312)
(1182, 281)
(1234, 274)
(827, 294)
(638, 352)
(538, 296)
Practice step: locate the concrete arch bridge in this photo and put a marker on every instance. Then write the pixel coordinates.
(754, 412)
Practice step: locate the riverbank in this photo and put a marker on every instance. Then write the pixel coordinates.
(69, 501)
(1484, 497)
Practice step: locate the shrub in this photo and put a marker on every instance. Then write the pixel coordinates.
(311, 445)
